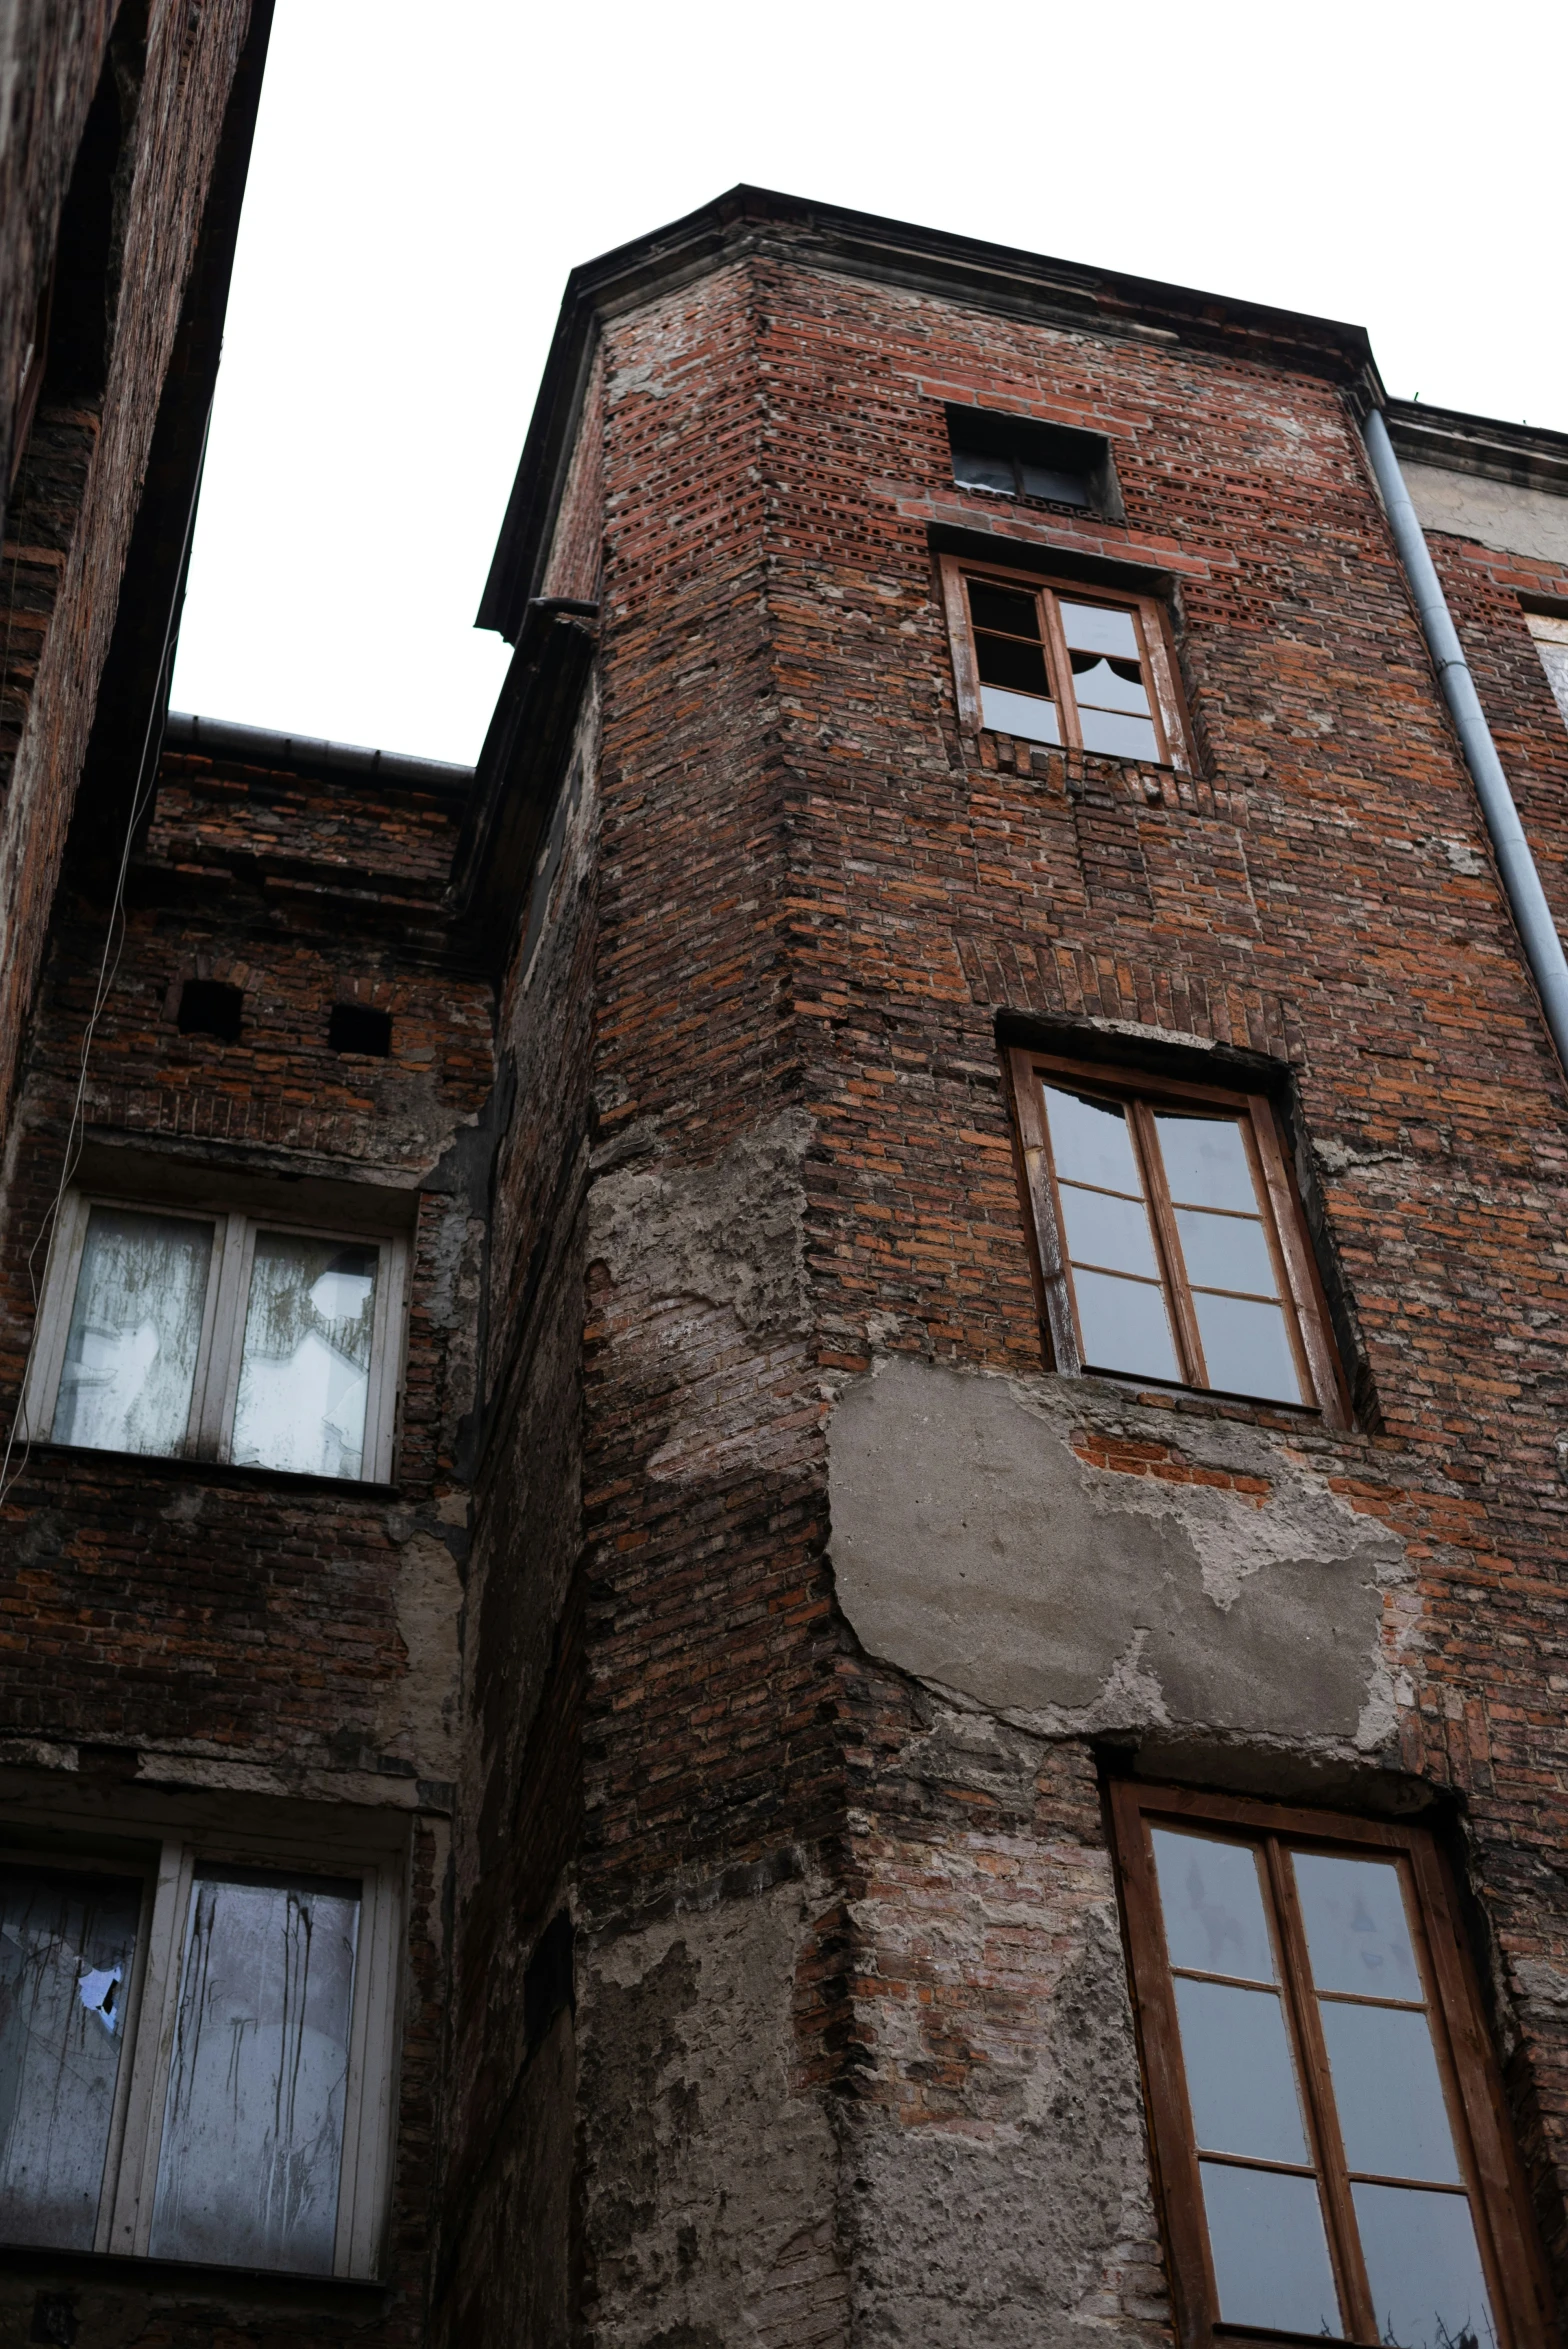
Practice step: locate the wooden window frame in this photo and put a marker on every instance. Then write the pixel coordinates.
(215, 1387)
(1490, 2168)
(1301, 1291)
(130, 2178)
(1150, 620)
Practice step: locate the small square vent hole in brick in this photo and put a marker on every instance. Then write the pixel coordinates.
(209, 1008)
(354, 1027)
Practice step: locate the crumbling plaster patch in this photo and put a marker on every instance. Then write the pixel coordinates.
(707, 1267)
(731, 1234)
(417, 1714)
(1502, 514)
(707, 2162)
(973, 1547)
(1034, 2221)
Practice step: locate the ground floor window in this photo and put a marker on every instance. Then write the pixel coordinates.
(1324, 2103)
(195, 2053)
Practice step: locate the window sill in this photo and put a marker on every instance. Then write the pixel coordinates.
(1264, 2337)
(226, 1472)
(1206, 1403)
(1064, 750)
(358, 2298)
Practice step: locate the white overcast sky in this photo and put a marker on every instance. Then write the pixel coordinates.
(424, 178)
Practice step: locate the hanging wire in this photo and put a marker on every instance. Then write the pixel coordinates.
(108, 971)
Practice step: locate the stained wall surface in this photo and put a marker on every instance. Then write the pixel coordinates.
(755, 1619)
(874, 1596)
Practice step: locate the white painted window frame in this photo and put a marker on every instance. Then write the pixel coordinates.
(215, 1388)
(129, 2189)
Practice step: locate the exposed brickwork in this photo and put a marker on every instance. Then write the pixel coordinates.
(818, 891)
(76, 499)
(773, 1985)
(236, 1627)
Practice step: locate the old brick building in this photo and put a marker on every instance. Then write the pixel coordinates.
(786, 1524)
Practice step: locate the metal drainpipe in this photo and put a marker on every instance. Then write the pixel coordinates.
(1522, 882)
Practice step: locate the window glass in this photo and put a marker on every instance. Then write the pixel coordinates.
(1240, 2083)
(1051, 481)
(305, 1366)
(1213, 1906)
(1358, 1935)
(1389, 2092)
(135, 1332)
(1015, 690)
(1225, 1250)
(1122, 1312)
(66, 1946)
(1270, 2253)
(1551, 642)
(1108, 681)
(976, 469)
(1428, 2290)
(253, 2126)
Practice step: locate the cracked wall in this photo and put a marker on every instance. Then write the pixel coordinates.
(983, 1541)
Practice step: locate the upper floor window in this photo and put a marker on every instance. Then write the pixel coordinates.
(1065, 665)
(1326, 2113)
(219, 1336)
(198, 2053)
(1551, 642)
(1018, 457)
(1170, 1245)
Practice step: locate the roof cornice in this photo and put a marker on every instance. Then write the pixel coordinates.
(1001, 278)
(1524, 454)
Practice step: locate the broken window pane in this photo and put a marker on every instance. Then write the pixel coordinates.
(66, 1946)
(976, 469)
(1053, 481)
(130, 1354)
(253, 2124)
(305, 1369)
(1095, 628)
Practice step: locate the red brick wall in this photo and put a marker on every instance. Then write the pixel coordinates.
(233, 1628)
(76, 500)
(818, 893)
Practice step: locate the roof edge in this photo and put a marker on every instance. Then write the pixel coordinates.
(996, 277)
(1529, 456)
(260, 746)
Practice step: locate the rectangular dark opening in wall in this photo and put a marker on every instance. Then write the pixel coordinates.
(209, 1008)
(1016, 457)
(355, 1027)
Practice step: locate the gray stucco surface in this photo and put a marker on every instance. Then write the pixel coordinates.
(973, 1547)
(1498, 514)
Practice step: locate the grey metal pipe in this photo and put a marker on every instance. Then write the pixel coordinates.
(1521, 881)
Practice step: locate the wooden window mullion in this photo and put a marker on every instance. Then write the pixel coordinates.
(1162, 1215)
(1496, 2182)
(1159, 2040)
(1050, 1250)
(1327, 2145)
(1059, 667)
(1306, 1308)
